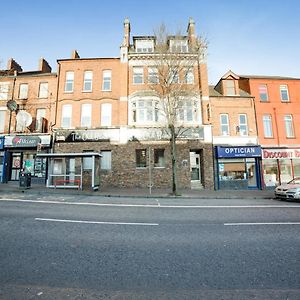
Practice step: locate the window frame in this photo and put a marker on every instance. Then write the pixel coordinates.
(283, 88)
(87, 81)
(104, 108)
(228, 88)
(136, 75)
(243, 124)
(3, 119)
(4, 90)
(66, 117)
(83, 115)
(289, 125)
(140, 158)
(42, 93)
(268, 125)
(69, 82)
(106, 80)
(224, 125)
(39, 117)
(156, 161)
(21, 91)
(261, 94)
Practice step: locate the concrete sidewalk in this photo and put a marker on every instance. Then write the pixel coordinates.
(13, 187)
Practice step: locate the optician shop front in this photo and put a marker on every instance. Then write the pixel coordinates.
(238, 168)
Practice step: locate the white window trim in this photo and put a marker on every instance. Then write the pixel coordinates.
(87, 80)
(227, 124)
(106, 77)
(68, 80)
(86, 108)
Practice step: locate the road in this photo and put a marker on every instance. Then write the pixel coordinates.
(149, 250)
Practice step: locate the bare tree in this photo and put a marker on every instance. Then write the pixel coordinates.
(174, 79)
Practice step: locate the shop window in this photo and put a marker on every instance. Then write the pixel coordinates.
(106, 160)
(141, 158)
(296, 165)
(286, 174)
(159, 158)
(232, 169)
(271, 173)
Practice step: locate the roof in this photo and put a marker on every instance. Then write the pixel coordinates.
(214, 93)
(89, 58)
(268, 77)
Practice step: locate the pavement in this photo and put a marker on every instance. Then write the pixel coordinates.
(13, 187)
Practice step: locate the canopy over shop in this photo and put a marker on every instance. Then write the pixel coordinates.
(73, 170)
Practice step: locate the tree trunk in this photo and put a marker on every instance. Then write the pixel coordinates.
(173, 157)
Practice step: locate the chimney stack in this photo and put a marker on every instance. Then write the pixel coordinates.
(126, 40)
(191, 32)
(13, 65)
(75, 54)
(44, 67)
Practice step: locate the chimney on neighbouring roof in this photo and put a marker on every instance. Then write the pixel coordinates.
(75, 54)
(13, 65)
(44, 67)
(191, 32)
(126, 39)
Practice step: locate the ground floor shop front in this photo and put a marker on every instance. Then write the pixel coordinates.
(237, 168)
(280, 165)
(147, 164)
(19, 153)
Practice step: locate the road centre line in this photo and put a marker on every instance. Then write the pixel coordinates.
(145, 205)
(96, 222)
(262, 224)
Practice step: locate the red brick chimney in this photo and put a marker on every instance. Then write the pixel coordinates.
(44, 67)
(75, 54)
(13, 65)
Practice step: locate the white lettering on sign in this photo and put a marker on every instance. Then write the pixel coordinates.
(240, 150)
(281, 153)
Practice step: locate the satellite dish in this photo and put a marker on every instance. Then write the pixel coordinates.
(24, 119)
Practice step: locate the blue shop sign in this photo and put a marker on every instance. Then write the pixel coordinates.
(1, 142)
(238, 151)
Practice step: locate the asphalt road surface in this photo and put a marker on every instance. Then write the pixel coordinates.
(223, 250)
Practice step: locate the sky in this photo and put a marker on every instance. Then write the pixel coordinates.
(249, 37)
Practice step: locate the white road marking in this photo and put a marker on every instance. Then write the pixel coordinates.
(96, 222)
(265, 223)
(146, 205)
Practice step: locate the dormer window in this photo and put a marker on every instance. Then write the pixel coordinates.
(179, 46)
(144, 46)
(229, 88)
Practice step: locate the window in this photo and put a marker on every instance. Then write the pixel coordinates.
(23, 91)
(66, 116)
(267, 123)
(141, 158)
(263, 92)
(180, 46)
(159, 158)
(189, 76)
(106, 160)
(138, 75)
(187, 111)
(144, 46)
(69, 81)
(40, 115)
(86, 115)
(224, 124)
(43, 90)
(145, 111)
(229, 88)
(153, 75)
(87, 81)
(106, 114)
(243, 127)
(106, 83)
(4, 88)
(289, 127)
(284, 93)
(2, 120)
(174, 76)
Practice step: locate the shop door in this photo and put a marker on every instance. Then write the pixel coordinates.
(251, 172)
(15, 166)
(195, 170)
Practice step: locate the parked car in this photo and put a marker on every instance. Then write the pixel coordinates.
(290, 190)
